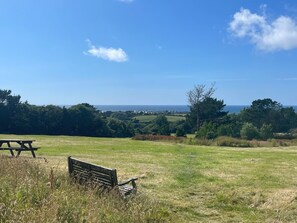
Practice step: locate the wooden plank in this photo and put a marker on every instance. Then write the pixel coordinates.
(70, 165)
(99, 176)
(1, 148)
(16, 140)
(92, 166)
(22, 149)
(102, 181)
(94, 172)
(101, 169)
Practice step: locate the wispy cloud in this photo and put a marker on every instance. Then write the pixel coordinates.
(279, 34)
(111, 54)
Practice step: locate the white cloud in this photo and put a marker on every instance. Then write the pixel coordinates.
(280, 34)
(111, 54)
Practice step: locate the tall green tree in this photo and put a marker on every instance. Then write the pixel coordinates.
(9, 107)
(267, 111)
(85, 120)
(196, 96)
(160, 125)
(119, 128)
(205, 108)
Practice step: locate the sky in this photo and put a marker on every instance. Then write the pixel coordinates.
(148, 52)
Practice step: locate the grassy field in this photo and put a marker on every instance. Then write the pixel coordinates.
(149, 118)
(195, 183)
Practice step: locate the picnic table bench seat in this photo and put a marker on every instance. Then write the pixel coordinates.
(19, 148)
(101, 177)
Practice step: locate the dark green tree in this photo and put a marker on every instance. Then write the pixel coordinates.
(9, 107)
(266, 131)
(267, 111)
(231, 126)
(86, 120)
(207, 131)
(205, 108)
(195, 97)
(249, 131)
(160, 125)
(119, 128)
(51, 118)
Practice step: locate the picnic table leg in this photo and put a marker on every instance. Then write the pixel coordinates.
(11, 152)
(19, 152)
(33, 154)
(32, 150)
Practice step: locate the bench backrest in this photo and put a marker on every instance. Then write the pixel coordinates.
(90, 173)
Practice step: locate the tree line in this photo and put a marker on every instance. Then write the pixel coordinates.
(206, 119)
(262, 120)
(18, 117)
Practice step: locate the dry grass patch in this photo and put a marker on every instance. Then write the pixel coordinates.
(281, 199)
(30, 193)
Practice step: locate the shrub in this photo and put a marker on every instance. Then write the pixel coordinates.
(231, 129)
(266, 131)
(159, 138)
(249, 131)
(207, 131)
(278, 142)
(180, 132)
(232, 142)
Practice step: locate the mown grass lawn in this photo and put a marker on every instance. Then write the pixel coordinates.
(197, 183)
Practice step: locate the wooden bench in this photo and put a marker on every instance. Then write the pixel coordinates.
(101, 177)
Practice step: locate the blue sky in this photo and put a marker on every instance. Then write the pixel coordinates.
(148, 51)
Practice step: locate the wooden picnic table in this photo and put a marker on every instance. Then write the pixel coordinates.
(17, 145)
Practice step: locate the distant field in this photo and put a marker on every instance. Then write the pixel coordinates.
(149, 118)
(197, 183)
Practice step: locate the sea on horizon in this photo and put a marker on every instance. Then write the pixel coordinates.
(160, 108)
(163, 108)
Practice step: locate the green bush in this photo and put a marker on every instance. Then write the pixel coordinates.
(266, 131)
(231, 129)
(232, 142)
(207, 131)
(180, 132)
(249, 131)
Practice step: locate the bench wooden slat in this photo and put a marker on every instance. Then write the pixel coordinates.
(91, 176)
(92, 173)
(84, 172)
